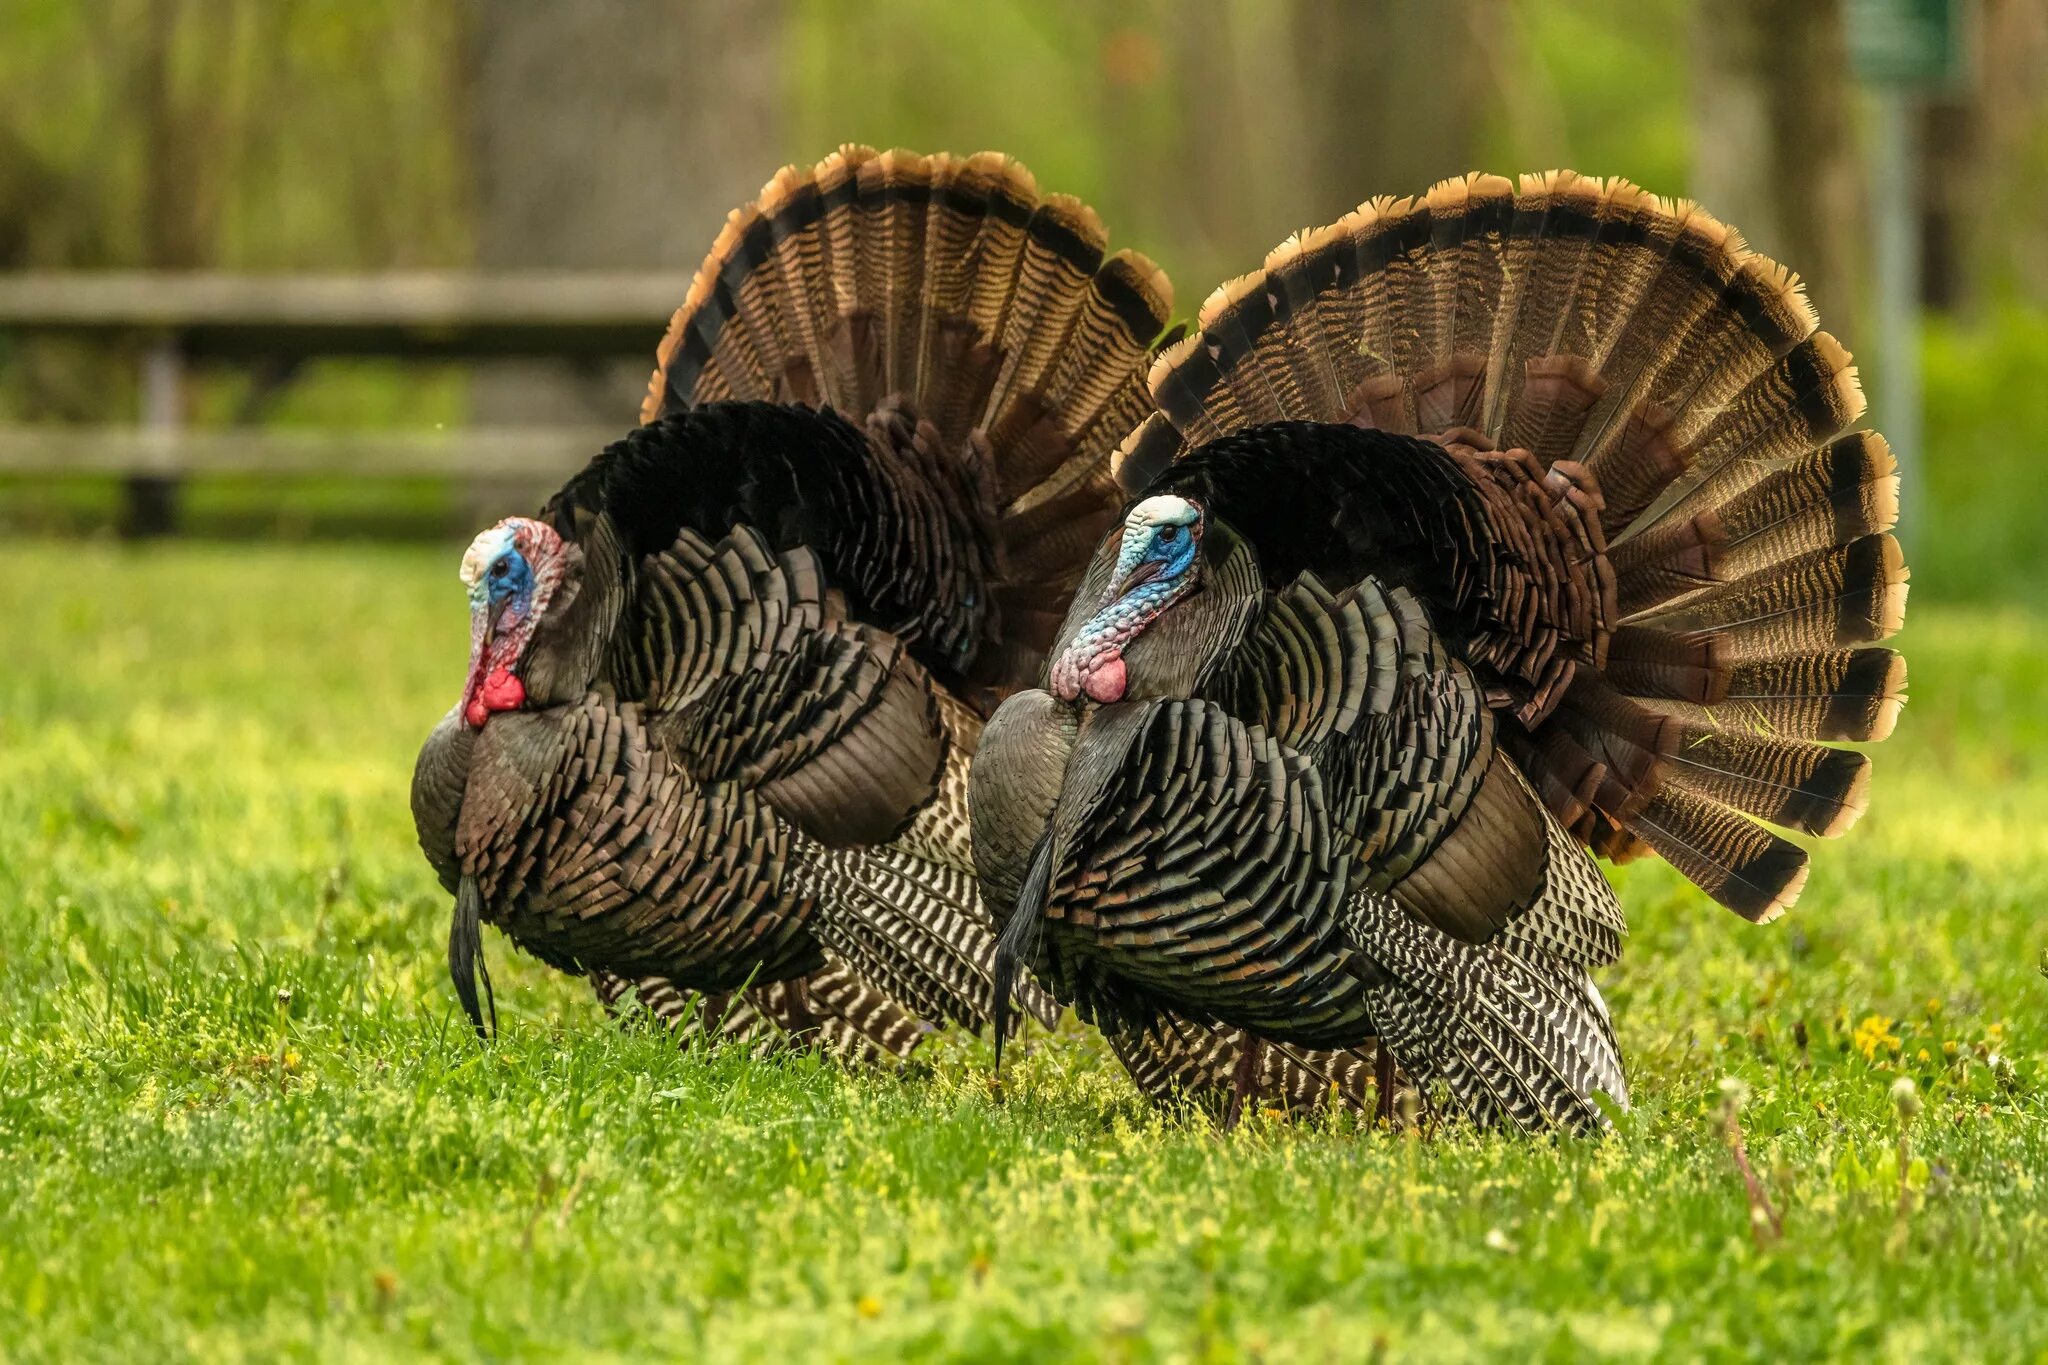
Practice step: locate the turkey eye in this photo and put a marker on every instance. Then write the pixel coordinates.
(1168, 534)
(500, 569)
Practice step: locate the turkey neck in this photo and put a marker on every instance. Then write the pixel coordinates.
(566, 655)
(1172, 655)
(558, 666)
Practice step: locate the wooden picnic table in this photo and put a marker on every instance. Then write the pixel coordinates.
(280, 321)
(448, 314)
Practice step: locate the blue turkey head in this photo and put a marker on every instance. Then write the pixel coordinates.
(1157, 563)
(511, 571)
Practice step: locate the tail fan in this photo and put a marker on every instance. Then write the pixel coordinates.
(916, 928)
(1176, 1057)
(949, 296)
(1636, 349)
(1516, 1046)
(833, 1009)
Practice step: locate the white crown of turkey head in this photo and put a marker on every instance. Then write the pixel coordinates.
(1163, 509)
(1140, 532)
(490, 542)
(534, 541)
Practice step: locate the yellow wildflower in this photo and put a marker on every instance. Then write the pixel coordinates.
(1873, 1033)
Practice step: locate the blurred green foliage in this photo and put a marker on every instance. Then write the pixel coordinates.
(1083, 94)
(244, 134)
(1984, 531)
(259, 134)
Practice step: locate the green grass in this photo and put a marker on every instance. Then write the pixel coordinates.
(238, 1116)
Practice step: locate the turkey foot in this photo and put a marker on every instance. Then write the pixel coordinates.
(1383, 1081)
(1244, 1081)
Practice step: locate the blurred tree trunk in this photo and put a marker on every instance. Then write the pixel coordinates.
(613, 135)
(1394, 94)
(175, 231)
(1774, 151)
(1293, 113)
(1985, 191)
(1237, 193)
(1951, 134)
(180, 224)
(1140, 196)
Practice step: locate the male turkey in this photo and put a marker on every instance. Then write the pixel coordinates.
(724, 688)
(1474, 531)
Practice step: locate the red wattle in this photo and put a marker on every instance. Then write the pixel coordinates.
(501, 691)
(1105, 682)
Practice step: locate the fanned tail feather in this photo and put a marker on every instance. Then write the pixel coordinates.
(833, 1009)
(951, 289)
(1178, 1059)
(1635, 346)
(1519, 1037)
(916, 928)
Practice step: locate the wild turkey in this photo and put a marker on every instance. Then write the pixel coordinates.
(724, 688)
(1474, 531)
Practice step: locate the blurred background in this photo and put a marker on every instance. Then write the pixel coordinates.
(354, 216)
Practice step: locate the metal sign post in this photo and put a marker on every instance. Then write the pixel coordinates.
(1896, 219)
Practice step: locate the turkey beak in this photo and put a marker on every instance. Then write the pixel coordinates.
(1146, 571)
(492, 617)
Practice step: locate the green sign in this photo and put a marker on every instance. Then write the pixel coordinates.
(1905, 42)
